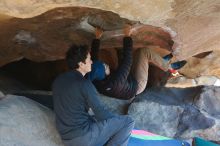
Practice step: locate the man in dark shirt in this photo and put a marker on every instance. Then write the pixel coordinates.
(74, 96)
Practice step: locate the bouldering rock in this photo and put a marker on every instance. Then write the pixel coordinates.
(211, 133)
(209, 100)
(191, 120)
(170, 96)
(172, 112)
(24, 122)
(207, 66)
(183, 82)
(156, 118)
(115, 105)
(206, 80)
(48, 36)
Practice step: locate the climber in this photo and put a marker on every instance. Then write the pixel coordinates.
(130, 78)
(73, 96)
(118, 84)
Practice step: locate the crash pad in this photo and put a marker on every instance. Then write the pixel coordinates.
(145, 138)
(201, 142)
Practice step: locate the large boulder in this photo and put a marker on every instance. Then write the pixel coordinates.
(177, 112)
(209, 101)
(192, 120)
(193, 24)
(156, 118)
(183, 82)
(206, 66)
(116, 105)
(48, 36)
(24, 122)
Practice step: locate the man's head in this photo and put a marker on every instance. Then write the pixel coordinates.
(78, 58)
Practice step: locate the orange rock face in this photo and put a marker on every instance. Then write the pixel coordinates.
(48, 36)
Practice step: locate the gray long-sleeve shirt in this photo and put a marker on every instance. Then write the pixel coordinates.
(73, 95)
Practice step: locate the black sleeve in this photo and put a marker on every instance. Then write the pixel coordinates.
(95, 49)
(124, 67)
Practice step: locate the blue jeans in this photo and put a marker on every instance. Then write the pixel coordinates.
(111, 132)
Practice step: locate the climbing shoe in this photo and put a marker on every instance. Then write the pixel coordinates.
(168, 57)
(179, 64)
(174, 73)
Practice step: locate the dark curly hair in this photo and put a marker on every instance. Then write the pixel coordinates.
(76, 54)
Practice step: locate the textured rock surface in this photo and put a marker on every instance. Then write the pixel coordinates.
(195, 22)
(208, 65)
(116, 105)
(173, 112)
(183, 82)
(147, 11)
(149, 115)
(193, 119)
(209, 101)
(24, 122)
(48, 36)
